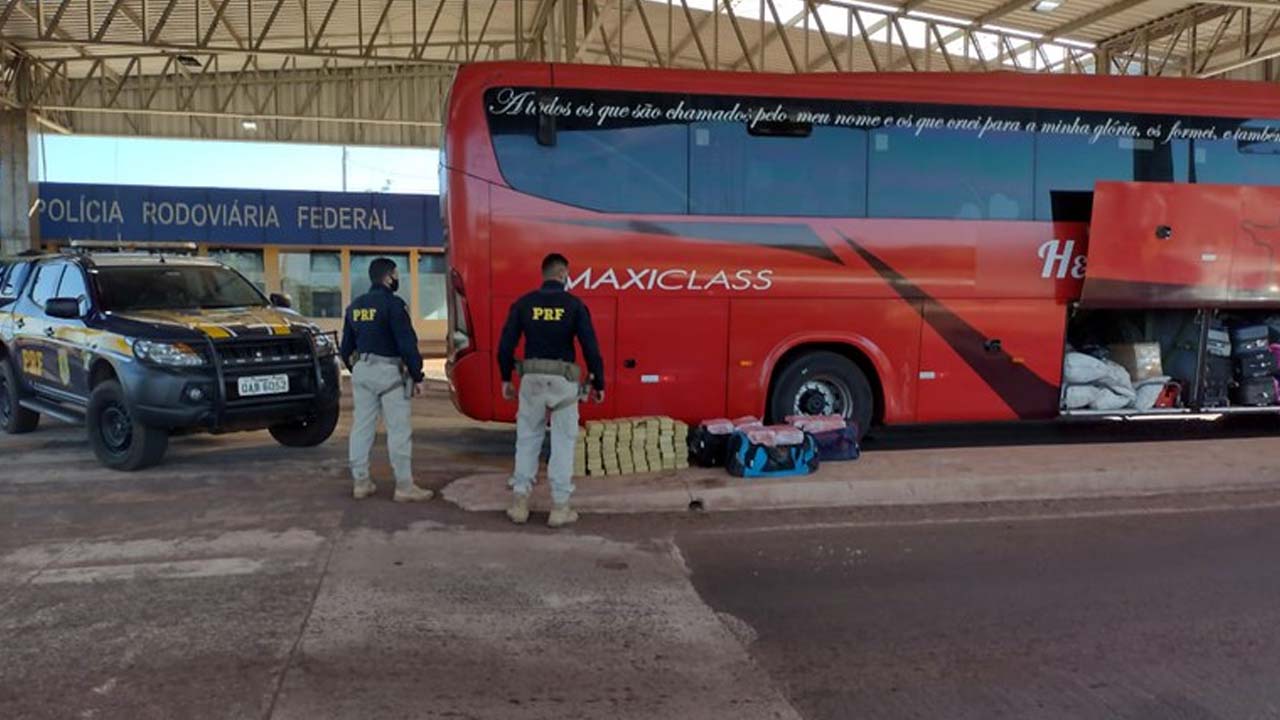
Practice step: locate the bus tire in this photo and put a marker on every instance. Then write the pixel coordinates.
(14, 419)
(118, 439)
(823, 383)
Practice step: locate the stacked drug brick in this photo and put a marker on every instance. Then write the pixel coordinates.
(631, 445)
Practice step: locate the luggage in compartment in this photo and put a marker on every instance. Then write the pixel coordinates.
(1219, 342)
(1255, 365)
(1217, 382)
(1255, 392)
(1141, 360)
(1249, 339)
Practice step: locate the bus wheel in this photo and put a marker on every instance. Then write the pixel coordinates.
(823, 383)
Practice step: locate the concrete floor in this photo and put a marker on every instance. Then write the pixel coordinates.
(239, 580)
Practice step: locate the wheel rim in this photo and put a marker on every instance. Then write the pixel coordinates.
(6, 411)
(823, 395)
(116, 428)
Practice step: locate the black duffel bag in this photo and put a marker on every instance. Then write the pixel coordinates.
(707, 449)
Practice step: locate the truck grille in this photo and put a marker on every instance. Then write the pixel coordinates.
(246, 354)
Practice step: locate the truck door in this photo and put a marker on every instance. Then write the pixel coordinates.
(672, 356)
(70, 337)
(37, 363)
(1161, 245)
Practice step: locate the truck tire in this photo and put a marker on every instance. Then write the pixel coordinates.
(117, 438)
(823, 383)
(14, 419)
(308, 433)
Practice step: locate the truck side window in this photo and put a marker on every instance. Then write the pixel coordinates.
(46, 284)
(74, 286)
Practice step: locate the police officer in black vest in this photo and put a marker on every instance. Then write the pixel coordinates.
(549, 318)
(380, 348)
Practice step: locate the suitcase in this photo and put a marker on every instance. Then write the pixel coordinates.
(1219, 343)
(1255, 365)
(749, 460)
(1216, 382)
(1248, 339)
(1255, 392)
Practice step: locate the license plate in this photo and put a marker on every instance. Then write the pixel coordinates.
(264, 385)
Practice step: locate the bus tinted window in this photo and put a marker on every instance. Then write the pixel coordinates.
(639, 168)
(736, 173)
(950, 174)
(1073, 163)
(1254, 159)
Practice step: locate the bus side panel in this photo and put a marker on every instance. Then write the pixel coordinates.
(467, 253)
(991, 360)
(671, 356)
(886, 331)
(604, 317)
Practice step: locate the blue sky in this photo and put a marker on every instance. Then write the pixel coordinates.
(223, 163)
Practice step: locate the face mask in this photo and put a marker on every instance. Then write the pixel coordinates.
(395, 285)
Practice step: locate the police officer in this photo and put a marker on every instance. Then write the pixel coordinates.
(380, 348)
(549, 318)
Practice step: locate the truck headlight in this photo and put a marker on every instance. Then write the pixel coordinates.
(325, 345)
(171, 354)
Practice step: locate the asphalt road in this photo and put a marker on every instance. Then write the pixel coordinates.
(239, 580)
(1143, 616)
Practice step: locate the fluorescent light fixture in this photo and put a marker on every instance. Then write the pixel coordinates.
(1046, 6)
(249, 125)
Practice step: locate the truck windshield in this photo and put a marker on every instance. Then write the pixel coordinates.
(123, 289)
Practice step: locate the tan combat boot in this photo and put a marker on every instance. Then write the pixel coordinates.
(519, 510)
(363, 490)
(562, 515)
(414, 494)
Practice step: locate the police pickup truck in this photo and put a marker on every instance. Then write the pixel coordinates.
(142, 346)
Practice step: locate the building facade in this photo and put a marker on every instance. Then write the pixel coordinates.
(314, 246)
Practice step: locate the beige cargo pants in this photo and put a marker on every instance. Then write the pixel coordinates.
(538, 394)
(378, 390)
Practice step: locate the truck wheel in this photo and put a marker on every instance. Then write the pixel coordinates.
(118, 439)
(823, 383)
(307, 433)
(14, 419)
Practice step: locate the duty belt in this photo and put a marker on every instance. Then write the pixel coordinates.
(378, 359)
(559, 368)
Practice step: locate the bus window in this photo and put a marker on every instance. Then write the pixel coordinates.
(954, 174)
(1073, 163)
(634, 168)
(1254, 159)
(734, 172)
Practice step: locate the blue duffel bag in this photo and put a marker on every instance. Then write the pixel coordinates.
(749, 460)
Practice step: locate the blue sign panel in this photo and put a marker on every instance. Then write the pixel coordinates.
(71, 211)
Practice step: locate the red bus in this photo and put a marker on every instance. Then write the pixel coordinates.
(897, 248)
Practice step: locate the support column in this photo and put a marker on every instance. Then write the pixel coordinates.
(19, 227)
